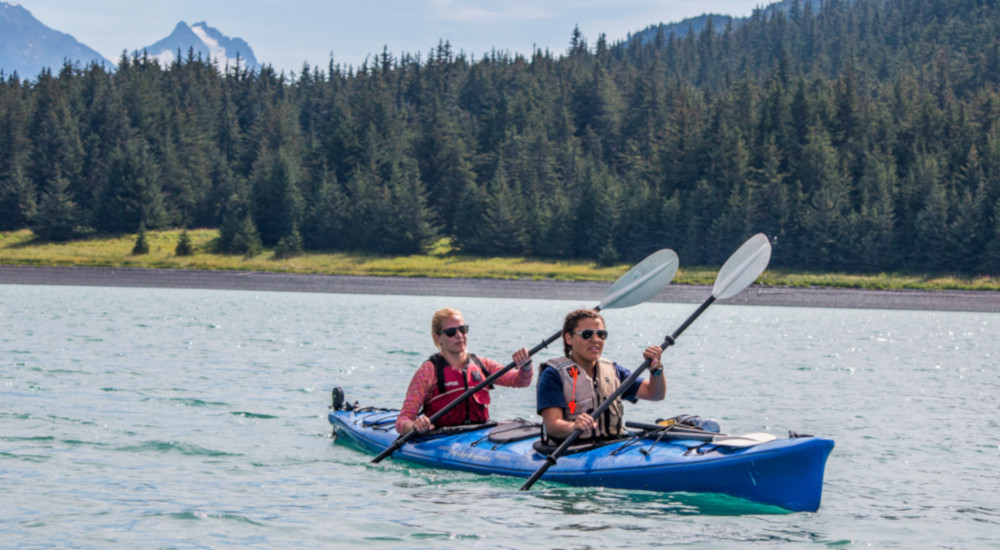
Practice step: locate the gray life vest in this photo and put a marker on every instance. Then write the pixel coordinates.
(584, 394)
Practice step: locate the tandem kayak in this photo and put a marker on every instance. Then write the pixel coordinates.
(757, 467)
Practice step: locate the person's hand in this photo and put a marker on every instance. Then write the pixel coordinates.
(584, 422)
(522, 358)
(422, 424)
(653, 353)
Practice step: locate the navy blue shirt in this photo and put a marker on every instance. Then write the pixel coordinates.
(550, 388)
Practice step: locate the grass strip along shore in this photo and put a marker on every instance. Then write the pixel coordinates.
(441, 261)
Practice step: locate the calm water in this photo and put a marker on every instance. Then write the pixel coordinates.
(197, 419)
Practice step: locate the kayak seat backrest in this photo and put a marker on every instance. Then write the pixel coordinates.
(379, 422)
(515, 430)
(453, 430)
(547, 449)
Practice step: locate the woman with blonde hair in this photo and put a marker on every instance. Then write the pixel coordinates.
(449, 373)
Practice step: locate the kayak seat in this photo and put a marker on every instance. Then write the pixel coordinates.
(514, 430)
(547, 449)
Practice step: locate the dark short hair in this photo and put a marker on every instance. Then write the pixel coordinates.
(573, 320)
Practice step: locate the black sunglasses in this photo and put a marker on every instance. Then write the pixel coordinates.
(589, 333)
(449, 332)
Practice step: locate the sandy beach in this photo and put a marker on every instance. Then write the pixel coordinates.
(949, 300)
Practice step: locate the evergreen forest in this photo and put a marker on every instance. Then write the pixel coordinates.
(861, 136)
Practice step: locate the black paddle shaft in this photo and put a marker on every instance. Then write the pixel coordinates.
(461, 398)
(561, 449)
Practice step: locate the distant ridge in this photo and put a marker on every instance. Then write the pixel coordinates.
(680, 29)
(697, 24)
(27, 46)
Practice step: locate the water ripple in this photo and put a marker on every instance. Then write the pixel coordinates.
(196, 419)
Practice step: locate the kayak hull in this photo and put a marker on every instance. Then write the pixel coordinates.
(787, 473)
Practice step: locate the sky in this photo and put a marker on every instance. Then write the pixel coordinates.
(288, 33)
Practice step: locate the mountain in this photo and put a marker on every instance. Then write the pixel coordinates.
(681, 28)
(205, 41)
(26, 45)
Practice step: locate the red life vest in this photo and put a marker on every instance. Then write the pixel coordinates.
(450, 384)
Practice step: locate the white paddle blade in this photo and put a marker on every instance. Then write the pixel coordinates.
(746, 440)
(743, 267)
(643, 281)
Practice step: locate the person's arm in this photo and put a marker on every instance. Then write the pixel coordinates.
(655, 388)
(416, 395)
(520, 376)
(552, 403)
(556, 427)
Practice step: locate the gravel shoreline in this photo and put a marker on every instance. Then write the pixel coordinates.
(945, 300)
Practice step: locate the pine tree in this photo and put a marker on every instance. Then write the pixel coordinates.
(326, 220)
(57, 218)
(408, 224)
(990, 259)
(141, 244)
(920, 187)
(184, 245)
(234, 208)
(931, 231)
(18, 192)
(130, 194)
(827, 190)
(289, 245)
(597, 215)
(871, 226)
(57, 150)
(246, 240)
(557, 228)
(497, 228)
(17, 199)
(363, 207)
(104, 124)
(276, 196)
(445, 163)
(638, 235)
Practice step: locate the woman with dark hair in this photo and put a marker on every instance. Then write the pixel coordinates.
(572, 386)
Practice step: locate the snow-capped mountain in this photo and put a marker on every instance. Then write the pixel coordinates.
(26, 45)
(206, 41)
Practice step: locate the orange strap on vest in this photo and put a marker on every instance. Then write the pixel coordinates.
(574, 372)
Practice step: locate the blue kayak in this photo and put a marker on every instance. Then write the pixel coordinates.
(781, 472)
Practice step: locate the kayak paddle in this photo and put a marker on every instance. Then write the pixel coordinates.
(639, 284)
(741, 269)
(676, 432)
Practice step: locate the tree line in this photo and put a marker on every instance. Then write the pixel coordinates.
(860, 136)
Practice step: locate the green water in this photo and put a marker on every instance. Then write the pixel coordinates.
(197, 419)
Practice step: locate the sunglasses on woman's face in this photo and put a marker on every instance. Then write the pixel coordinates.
(449, 332)
(589, 333)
